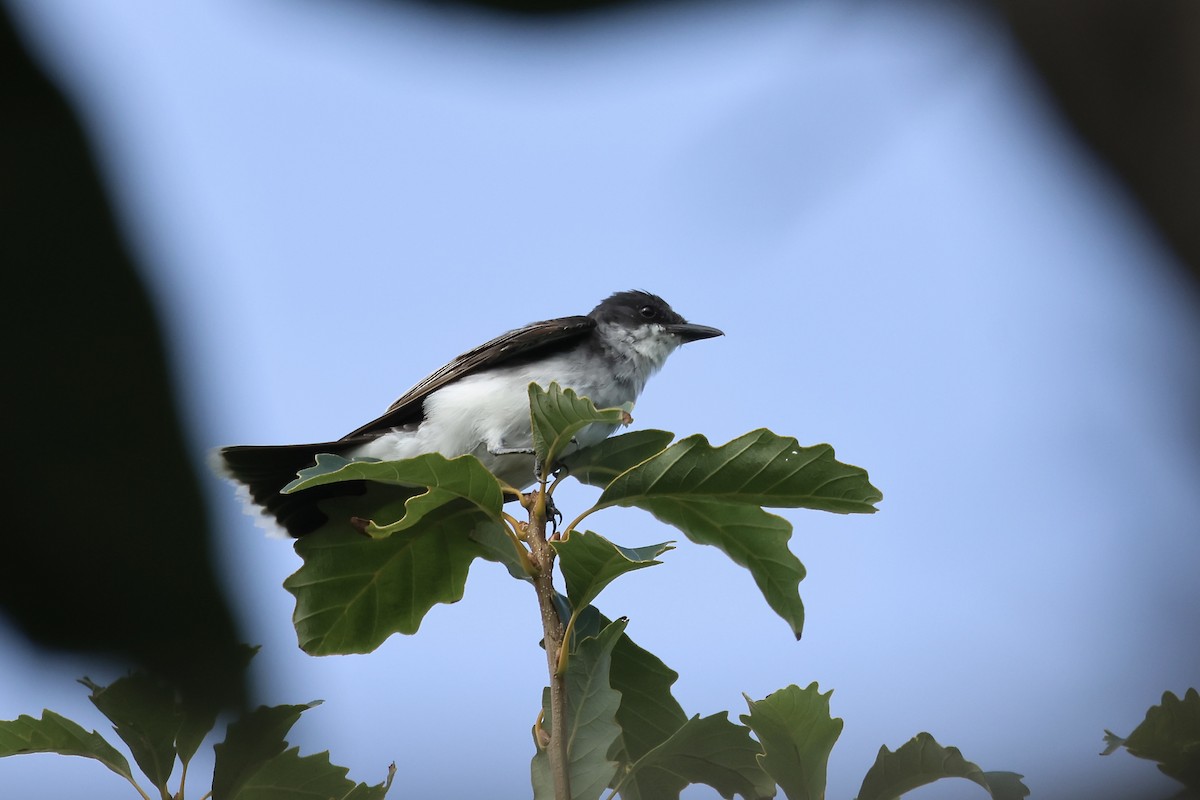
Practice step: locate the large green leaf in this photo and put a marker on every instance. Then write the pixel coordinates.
(760, 468)
(709, 750)
(57, 734)
(589, 562)
(715, 496)
(147, 717)
(591, 725)
(921, 760)
(353, 592)
(1169, 735)
(463, 477)
(250, 742)
(559, 414)
(599, 464)
(290, 776)
(797, 735)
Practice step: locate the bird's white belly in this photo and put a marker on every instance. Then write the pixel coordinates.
(487, 413)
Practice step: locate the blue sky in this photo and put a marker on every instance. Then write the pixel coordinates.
(911, 258)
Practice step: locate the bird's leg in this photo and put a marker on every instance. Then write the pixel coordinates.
(553, 516)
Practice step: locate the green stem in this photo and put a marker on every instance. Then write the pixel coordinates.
(567, 530)
(140, 790)
(182, 779)
(566, 648)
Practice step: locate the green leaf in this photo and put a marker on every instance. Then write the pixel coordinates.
(752, 538)
(497, 545)
(759, 468)
(147, 717)
(797, 735)
(378, 791)
(353, 592)
(709, 750)
(463, 477)
(559, 414)
(714, 495)
(589, 562)
(920, 761)
(251, 742)
(648, 714)
(1169, 735)
(57, 734)
(1006, 785)
(196, 724)
(591, 727)
(599, 464)
(198, 719)
(290, 776)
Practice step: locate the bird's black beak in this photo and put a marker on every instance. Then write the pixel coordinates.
(693, 333)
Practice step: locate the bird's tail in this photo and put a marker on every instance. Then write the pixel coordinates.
(264, 470)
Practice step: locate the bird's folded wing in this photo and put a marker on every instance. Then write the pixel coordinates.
(537, 338)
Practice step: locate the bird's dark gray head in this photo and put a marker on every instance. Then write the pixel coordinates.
(635, 309)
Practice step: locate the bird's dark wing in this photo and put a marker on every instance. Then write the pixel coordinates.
(535, 339)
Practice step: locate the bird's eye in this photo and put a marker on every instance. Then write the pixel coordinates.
(648, 312)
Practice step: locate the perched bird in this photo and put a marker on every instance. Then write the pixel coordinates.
(479, 403)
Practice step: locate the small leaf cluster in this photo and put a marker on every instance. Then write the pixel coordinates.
(254, 761)
(1170, 736)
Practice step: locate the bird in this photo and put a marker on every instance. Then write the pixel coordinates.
(478, 404)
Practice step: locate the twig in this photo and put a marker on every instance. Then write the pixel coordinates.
(553, 638)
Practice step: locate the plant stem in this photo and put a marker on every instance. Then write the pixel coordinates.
(553, 638)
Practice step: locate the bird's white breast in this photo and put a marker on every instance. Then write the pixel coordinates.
(489, 411)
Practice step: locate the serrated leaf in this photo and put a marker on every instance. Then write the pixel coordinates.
(250, 742)
(290, 776)
(797, 734)
(591, 725)
(1006, 785)
(589, 562)
(54, 733)
(463, 477)
(146, 715)
(558, 414)
(1169, 735)
(752, 538)
(715, 494)
(377, 791)
(759, 468)
(599, 464)
(1112, 743)
(709, 750)
(921, 761)
(353, 592)
(649, 714)
(198, 719)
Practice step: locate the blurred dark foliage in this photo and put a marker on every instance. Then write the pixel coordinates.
(1124, 73)
(1127, 77)
(105, 547)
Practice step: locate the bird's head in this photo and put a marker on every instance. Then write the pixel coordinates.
(643, 328)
